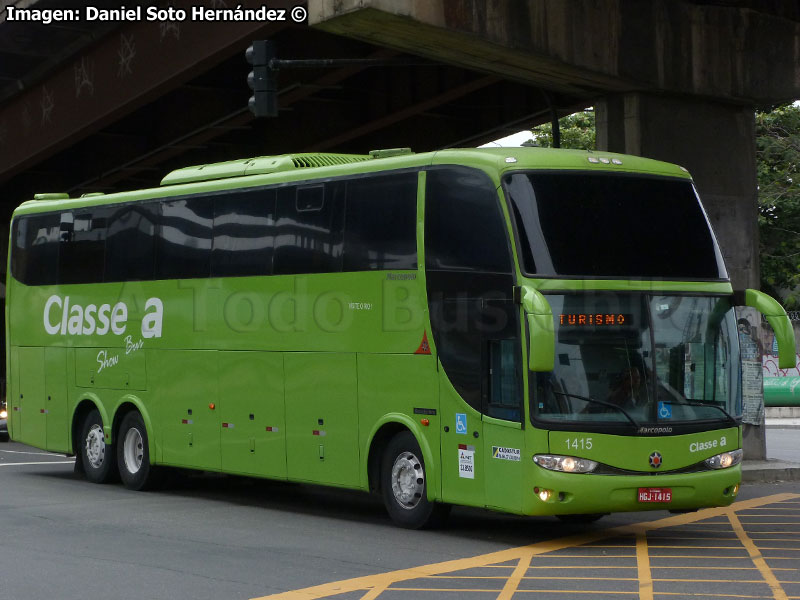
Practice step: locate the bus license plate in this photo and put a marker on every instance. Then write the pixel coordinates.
(655, 494)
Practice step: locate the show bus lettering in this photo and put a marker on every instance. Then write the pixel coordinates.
(61, 317)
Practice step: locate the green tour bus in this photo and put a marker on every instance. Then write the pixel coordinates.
(535, 331)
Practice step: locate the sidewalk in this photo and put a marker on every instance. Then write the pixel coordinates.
(783, 453)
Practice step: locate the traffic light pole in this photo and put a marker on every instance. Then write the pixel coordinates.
(263, 79)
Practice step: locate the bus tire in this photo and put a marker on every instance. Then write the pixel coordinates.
(133, 454)
(97, 457)
(404, 486)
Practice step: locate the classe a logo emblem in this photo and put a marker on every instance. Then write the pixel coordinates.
(655, 460)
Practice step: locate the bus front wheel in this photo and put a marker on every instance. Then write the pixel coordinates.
(133, 455)
(96, 456)
(404, 487)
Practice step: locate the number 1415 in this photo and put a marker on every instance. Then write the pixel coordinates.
(579, 443)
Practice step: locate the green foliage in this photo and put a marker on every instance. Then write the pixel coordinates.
(577, 131)
(778, 165)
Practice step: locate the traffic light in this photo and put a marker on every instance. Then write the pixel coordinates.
(262, 79)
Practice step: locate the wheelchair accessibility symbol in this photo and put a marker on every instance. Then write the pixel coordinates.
(461, 423)
(664, 410)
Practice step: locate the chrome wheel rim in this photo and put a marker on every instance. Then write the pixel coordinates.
(95, 446)
(408, 480)
(133, 450)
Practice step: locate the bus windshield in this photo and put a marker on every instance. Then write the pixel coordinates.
(642, 360)
(608, 225)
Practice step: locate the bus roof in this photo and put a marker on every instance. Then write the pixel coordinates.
(266, 170)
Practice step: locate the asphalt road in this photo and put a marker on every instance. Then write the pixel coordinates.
(784, 444)
(230, 538)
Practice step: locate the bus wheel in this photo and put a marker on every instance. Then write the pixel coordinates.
(404, 487)
(96, 456)
(588, 518)
(133, 455)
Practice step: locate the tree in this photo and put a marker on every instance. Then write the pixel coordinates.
(778, 168)
(577, 131)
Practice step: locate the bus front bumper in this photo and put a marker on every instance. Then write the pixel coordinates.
(555, 493)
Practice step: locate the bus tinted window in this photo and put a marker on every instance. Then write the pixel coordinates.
(469, 281)
(599, 225)
(380, 227)
(184, 239)
(82, 246)
(308, 237)
(34, 259)
(130, 243)
(468, 229)
(244, 234)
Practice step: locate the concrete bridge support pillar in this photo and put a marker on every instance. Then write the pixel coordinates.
(715, 142)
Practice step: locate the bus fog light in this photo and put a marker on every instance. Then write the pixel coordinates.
(735, 490)
(565, 464)
(724, 460)
(544, 495)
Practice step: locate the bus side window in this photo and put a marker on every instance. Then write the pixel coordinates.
(130, 242)
(82, 246)
(381, 222)
(244, 234)
(469, 277)
(34, 253)
(309, 229)
(504, 380)
(184, 239)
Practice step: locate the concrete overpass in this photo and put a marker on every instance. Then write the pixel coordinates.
(100, 106)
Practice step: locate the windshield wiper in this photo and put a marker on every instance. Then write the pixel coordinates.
(688, 402)
(602, 402)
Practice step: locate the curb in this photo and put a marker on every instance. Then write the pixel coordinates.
(769, 471)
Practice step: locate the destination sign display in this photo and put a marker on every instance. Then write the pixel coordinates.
(594, 319)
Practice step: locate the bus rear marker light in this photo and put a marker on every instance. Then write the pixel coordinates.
(271, 429)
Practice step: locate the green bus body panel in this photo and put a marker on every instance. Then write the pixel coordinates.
(251, 408)
(632, 453)
(462, 450)
(577, 494)
(29, 406)
(185, 407)
(400, 383)
(56, 403)
(322, 418)
(109, 368)
(295, 376)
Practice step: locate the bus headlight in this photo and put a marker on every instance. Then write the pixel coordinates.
(565, 464)
(724, 460)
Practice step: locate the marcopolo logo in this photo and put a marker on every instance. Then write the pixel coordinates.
(61, 317)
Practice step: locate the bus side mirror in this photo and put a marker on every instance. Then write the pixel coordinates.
(541, 336)
(780, 323)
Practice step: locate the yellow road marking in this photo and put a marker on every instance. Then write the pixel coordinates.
(704, 595)
(643, 567)
(758, 560)
(409, 589)
(513, 581)
(370, 583)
